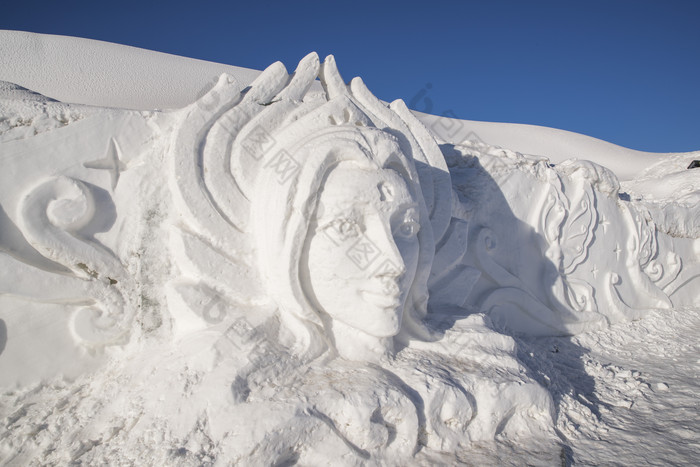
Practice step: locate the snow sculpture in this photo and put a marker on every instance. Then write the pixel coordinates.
(330, 280)
(323, 209)
(51, 214)
(293, 180)
(56, 218)
(570, 256)
(341, 198)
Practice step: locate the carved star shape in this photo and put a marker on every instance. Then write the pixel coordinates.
(111, 163)
(594, 271)
(617, 251)
(604, 223)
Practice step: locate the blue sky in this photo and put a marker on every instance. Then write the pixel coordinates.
(626, 71)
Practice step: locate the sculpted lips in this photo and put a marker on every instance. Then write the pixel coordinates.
(385, 295)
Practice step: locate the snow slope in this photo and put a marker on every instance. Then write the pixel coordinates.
(557, 145)
(84, 71)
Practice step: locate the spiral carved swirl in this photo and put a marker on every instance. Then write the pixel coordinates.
(51, 217)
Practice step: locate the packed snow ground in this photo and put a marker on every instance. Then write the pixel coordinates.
(627, 394)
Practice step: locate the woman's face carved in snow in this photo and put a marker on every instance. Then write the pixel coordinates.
(362, 248)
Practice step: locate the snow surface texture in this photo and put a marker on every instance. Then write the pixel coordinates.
(84, 71)
(202, 286)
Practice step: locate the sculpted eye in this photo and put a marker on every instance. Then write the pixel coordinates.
(347, 228)
(408, 225)
(408, 229)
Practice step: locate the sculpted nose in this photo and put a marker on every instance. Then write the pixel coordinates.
(390, 274)
(392, 264)
(389, 271)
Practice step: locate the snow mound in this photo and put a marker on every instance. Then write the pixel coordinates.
(671, 192)
(12, 91)
(27, 113)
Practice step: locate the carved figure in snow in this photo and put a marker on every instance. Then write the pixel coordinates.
(339, 198)
(308, 226)
(324, 207)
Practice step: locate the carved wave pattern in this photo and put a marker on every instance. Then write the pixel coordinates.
(583, 292)
(54, 217)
